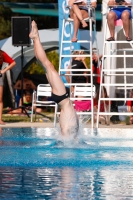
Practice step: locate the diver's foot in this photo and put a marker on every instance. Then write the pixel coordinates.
(2, 123)
(34, 31)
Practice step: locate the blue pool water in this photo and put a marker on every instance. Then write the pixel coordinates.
(35, 163)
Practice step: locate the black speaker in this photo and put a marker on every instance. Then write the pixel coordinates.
(20, 31)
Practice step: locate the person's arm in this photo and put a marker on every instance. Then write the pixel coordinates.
(111, 3)
(129, 109)
(85, 64)
(32, 85)
(100, 57)
(129, 106)
(20, 102)
(126, 3)
(17, 85)
(94, 4)
(8, 68)
(67, 76)
(9, 60)
(83, 60)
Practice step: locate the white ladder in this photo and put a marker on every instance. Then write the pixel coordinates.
(111, 53)
(62, 71)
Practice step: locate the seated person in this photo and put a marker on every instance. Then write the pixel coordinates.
(28, 85)
(27, 100)
(123, 13)
(27, 103)
(77, 63)
(78, 12)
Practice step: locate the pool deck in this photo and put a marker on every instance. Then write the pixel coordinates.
(50, 125)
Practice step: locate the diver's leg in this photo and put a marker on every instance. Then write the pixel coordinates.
(52, 75)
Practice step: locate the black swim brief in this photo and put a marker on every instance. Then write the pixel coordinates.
(58, 99)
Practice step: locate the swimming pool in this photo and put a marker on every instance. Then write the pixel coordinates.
(36, 164)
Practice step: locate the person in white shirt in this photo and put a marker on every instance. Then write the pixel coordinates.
(120, 9)
(78, 12)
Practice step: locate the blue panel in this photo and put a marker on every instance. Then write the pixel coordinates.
(67, 35)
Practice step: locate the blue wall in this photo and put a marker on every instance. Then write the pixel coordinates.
(67, 35)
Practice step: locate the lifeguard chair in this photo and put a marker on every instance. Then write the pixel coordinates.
(69, 47)
(115, 53)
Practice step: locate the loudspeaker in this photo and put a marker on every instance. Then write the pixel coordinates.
(20, 31)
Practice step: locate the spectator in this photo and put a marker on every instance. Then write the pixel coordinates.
(27, 103)
(28, 85)
(4, 57)
(120, 9)
(77, 63)
(78, 12)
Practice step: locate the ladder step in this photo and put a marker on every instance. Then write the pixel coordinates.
(80, 84)
(86, 99)
(115, 99)
(118, 70)
(72, 56)
(124, 49)
(79, 113)
(93, 75)
(116, 84)
(79, 41)
(118, 41)
(124, 87)
(116, 113)
(77, 74)
(118, 56)
(118, 74)
(80, 70)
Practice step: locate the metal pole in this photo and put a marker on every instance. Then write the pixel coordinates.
(22, 59)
